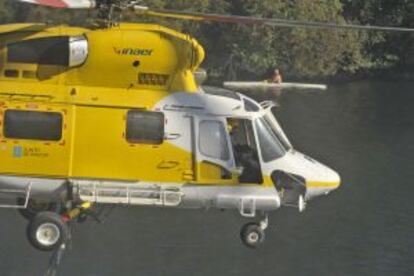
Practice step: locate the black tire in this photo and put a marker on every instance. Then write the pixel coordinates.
(252, 235)
(47, 231)
(34, 207)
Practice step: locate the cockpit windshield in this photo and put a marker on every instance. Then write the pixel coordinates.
(270, 145)
(277, 130)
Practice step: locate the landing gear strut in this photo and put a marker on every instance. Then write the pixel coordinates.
(35, 207)
(252, 234)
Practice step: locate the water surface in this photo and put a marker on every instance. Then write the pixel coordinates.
(363, 130)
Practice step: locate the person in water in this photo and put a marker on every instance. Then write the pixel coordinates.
(277, 77)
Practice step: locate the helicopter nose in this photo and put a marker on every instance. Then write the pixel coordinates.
(333, 181)
(327, 181)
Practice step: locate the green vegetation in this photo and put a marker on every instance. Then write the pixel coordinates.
(240, 51)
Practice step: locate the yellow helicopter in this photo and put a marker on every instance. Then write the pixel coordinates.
(115, 115)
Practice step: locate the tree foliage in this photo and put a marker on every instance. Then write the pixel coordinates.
(244, 51)
(385, 48)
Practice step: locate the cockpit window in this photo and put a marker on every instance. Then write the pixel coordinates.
(250, 106)
(270, 145)
(281, 137)
(213, 141)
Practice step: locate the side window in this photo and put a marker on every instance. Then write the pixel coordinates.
(33, 125)
(213, 141)
(145, 127)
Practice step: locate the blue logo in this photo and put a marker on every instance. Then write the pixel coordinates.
(17, 151)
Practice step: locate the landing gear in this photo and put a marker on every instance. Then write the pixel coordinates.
(47, 231)
(252, 234)
(35, 206)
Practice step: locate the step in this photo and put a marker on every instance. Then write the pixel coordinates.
(11, 195)
(129, 194)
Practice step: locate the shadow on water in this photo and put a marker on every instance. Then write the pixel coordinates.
(363, 130)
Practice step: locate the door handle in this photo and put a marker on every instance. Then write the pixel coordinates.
(168, 164)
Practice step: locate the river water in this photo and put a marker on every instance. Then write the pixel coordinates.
(364, 130)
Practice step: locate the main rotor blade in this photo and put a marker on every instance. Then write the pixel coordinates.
(236, 19)
(64, 4)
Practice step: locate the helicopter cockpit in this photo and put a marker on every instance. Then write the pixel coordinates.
(263, 153)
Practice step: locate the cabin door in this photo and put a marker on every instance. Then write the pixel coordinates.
(213, 152)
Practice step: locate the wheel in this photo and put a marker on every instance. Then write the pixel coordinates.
(35, 206)
(252, 235)
(47, 231)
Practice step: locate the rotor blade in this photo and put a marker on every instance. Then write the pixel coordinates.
(21, 28)
(236, 19)
(64, 4)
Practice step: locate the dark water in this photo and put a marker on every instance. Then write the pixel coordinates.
(363, 130)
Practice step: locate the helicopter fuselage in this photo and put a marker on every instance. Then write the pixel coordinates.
(115, 116)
